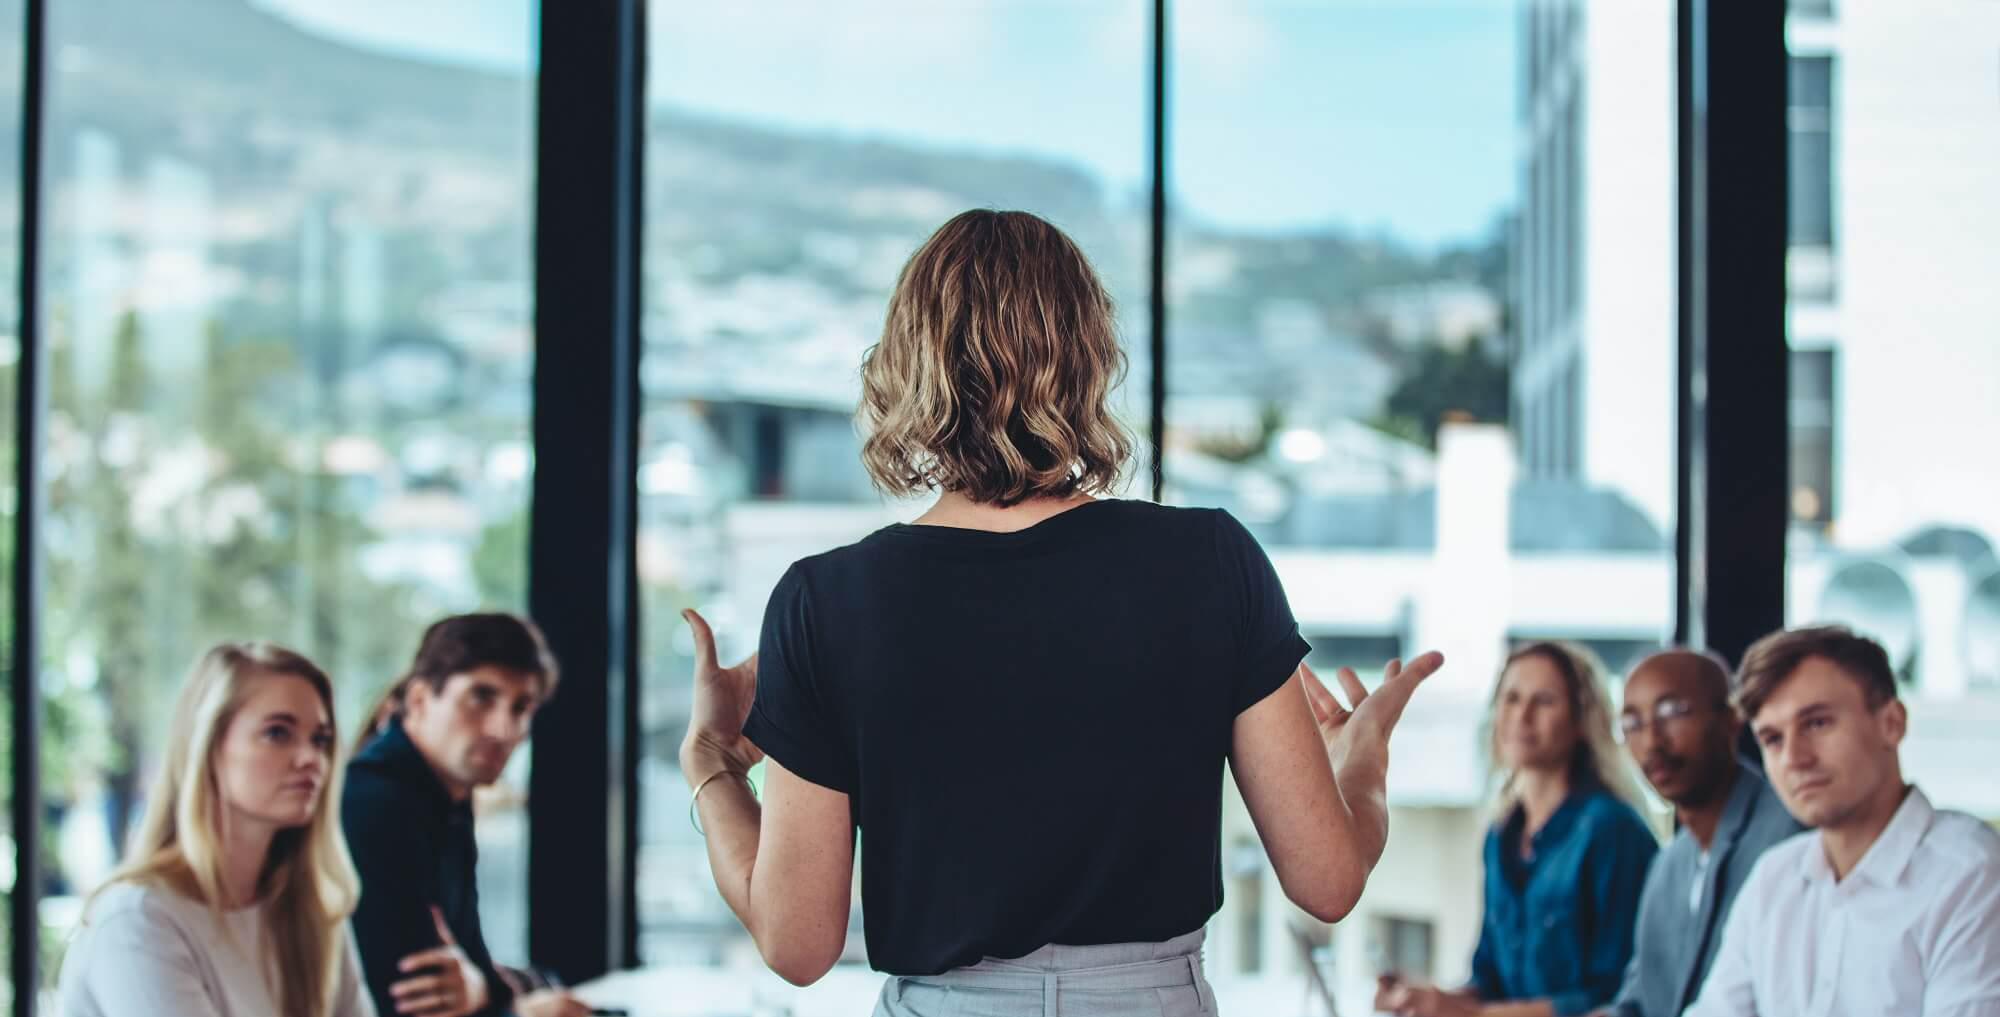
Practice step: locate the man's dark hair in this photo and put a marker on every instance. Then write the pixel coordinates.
(465, 642)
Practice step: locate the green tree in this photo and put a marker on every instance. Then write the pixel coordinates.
(500, 562)
(1247, 448)
(179, 518)
(1441, 382)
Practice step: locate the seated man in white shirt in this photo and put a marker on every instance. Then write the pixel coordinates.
(1889, 907)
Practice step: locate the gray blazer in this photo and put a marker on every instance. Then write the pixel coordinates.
(1675, 942)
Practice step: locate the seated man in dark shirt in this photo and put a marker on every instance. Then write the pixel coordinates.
(446, 727)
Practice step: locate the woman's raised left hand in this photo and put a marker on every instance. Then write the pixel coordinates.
(722, 697)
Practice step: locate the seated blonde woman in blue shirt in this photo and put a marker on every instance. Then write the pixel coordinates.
(1565, 863)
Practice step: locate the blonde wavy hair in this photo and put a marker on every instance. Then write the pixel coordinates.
(308, 885)
(1597, 757)
(997, 358)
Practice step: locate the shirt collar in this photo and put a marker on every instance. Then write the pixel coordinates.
(393, 750)
(1885, 860)
(1559, 822)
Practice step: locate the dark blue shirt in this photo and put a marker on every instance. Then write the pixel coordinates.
(1558, 923)
(413, 848)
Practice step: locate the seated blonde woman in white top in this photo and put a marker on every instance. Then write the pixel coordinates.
(235, 900)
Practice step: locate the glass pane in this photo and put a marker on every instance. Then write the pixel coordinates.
(286, 290)
(12, 57)
(797, 153)
(1893, 374)
(1812, 430)
(1811, 188)
(1422, 343)
(1810, 116)
(1811, 84)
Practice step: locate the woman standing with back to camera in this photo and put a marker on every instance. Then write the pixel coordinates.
(1026, 697)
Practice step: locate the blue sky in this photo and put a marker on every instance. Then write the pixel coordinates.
(1390, 115)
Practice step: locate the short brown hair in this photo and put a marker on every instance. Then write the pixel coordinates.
(997, 359)
(1772, 659)
(467, 642)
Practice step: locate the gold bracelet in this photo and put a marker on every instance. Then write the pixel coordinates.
(695, 799)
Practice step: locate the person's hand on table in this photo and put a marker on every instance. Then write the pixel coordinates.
(1408, 997)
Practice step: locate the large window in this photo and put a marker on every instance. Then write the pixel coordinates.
(796, 155)
(12, 52)
(1420, 329)
(1891, 374)
(286, 289)
(1421, 342)
(1813, 434)
(1380, 270)
(1810, 123)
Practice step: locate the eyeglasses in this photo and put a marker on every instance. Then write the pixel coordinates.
(1666, 713)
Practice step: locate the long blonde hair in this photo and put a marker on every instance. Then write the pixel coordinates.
(1597, 756)
(307, 885)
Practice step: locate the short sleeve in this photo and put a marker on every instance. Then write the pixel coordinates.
(1268, 641)
(790, 719)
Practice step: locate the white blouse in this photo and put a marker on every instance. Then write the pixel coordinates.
(149, 952)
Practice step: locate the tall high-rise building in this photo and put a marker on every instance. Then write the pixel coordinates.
(1593, 357)
(1893, 129)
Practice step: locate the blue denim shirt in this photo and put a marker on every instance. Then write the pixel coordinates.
(1559, 923)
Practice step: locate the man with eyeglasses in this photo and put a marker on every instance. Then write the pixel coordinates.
(1681, 731)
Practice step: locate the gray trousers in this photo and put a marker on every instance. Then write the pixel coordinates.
(1114, 980)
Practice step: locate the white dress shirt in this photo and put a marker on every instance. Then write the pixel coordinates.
(1914, 928)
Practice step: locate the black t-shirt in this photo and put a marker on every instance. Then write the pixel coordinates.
(1031, 726)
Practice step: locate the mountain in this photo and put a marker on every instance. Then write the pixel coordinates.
(420, 176)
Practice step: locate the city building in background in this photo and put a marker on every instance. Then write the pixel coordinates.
(1895, 507)
(1894, 327)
